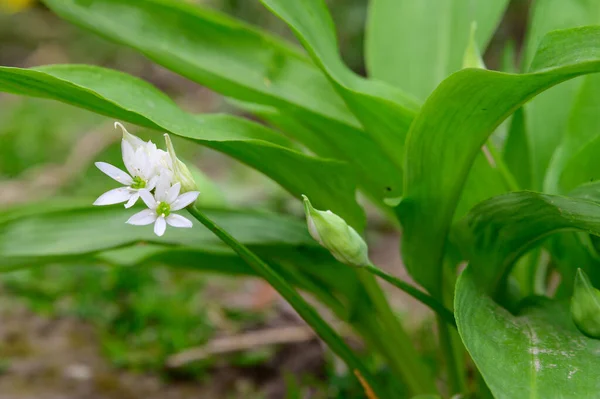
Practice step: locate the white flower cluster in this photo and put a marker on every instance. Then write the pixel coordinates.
(154, 176)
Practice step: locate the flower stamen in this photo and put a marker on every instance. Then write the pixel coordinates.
(163, 209)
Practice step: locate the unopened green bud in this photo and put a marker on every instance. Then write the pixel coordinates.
(333, 233)
(472, 57)
(181, 173)
(585, 306)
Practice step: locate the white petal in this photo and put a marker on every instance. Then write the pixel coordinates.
(147, 216)
(133, 199)
(184, 200)
(115, 173)
(148, 199)
(152, 183)
(162, 186)
(128, 156)
(160, 226)
(176, 220)
(114, 196)
(173, 193)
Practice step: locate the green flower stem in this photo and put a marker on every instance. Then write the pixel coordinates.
(306, 311)
(395, 343)
(419, 295)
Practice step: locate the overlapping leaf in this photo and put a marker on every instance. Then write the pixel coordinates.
(538, 353)
(384, 111)
(452, 126)
(124, 97)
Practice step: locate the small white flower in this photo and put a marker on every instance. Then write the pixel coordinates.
(143, 161)
(162, 204)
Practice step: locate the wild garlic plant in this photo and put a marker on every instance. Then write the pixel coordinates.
(491, 176)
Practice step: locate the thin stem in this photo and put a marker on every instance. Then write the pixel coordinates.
(509, 179)
(305, 310)
(396, 343)
(456, 382)
(419, 295)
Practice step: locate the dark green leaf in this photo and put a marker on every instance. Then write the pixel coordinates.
(498, 231)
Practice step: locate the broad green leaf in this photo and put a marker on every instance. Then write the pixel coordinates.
(384, 111)
(130, 99)
(547, 116)
(539, 353)
(414, 45)
(498, 231)
(217, 51)
(450, 129)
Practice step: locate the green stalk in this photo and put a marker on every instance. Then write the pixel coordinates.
(306, 311)
(396, 343)
(419, 295)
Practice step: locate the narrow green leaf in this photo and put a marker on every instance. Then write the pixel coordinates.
(498, 231)
(130, 99)
(210, 48)
(536, 354)
(417, 44)
(384, 111)
(516, 153)
(452, 126)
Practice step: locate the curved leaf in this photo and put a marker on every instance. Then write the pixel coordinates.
(384, 111)
(547, 116)
(210, 48)
(452, 126)
(130, 99)
(414, 45)
(500, 230)
(537, 354)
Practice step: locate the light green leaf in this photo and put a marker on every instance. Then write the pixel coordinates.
(130, 99)
(547, 116)
(498, 231)
(450, 129)
(217, 51)
(538, 353)
(585, 306)
(384, 111)
(417, 44)
(576, 160)
(516, 153)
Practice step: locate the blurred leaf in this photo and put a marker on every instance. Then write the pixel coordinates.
(414, 45)
(500, 230)
(547, 116)
(538, 353)
(576, 159)
(213, 49)
(125, 97)
(452, 126)
(517, 154)
(384, 111)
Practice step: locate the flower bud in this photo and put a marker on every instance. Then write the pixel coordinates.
(472, 56)
(135, 141)
(333, 233)
(585, 306)
(181, 173)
